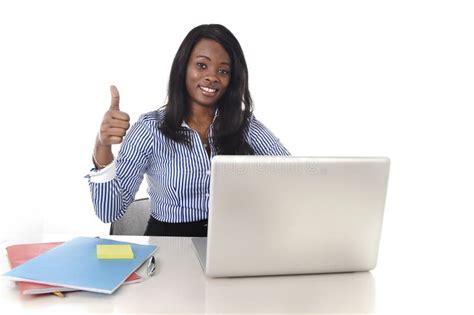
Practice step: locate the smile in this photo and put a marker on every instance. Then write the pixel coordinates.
(208, 91)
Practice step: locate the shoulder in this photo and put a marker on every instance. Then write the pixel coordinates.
(153, 117)
(150, 121)
(144, 134)
(257, 130)
(263, 141)
(256, 126)
(147, 125)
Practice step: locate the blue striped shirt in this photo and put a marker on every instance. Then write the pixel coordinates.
(178, 176)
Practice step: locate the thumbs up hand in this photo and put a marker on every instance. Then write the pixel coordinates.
(115, 123)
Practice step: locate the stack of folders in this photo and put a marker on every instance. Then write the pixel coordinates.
(73, 265)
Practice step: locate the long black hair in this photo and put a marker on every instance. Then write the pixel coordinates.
(234, 107)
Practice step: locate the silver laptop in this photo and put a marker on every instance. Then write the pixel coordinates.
(293, 215)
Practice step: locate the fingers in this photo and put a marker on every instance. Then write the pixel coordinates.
(114, 133)
(115, 140)
(111, 135)
(115, 123)
(114, 104)
(115, 114)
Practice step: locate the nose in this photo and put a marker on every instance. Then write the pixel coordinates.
(211, 78)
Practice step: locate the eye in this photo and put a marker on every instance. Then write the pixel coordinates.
(201, 65)
(224, 71)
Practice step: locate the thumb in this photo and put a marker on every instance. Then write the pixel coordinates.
(114, 105)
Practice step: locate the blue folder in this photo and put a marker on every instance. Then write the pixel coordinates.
(74, 264)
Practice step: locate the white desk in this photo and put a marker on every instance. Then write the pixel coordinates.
(181, 287)
(402, 284)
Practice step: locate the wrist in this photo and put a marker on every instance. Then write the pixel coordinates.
(98, 165)
(100, 144)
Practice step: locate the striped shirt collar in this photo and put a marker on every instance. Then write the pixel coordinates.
(216, 113)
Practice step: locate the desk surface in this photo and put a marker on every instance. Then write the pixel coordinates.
(180, 286)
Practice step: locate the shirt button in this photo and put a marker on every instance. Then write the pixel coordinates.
(207, 195)
(208, 172)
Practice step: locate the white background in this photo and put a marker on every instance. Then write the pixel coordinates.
(391, 78)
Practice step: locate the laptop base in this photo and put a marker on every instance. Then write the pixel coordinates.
(200, 245)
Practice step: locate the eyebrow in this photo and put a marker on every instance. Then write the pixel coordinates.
(206, 57)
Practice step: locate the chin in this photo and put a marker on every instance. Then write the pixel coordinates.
(207, 103)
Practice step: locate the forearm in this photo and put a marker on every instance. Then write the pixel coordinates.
(109, 200)
(102, 155)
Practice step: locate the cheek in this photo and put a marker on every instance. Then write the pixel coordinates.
(191, 76)
(190, 80)
(190, 73)
(225, 84)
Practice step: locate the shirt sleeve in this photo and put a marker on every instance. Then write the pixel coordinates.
(113, 188)
(103, 175)
(263, 141)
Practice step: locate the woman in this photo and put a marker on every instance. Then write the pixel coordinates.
(209, 112)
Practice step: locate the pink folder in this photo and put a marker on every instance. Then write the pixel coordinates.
(18, 254)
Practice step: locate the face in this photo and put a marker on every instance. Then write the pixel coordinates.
(207, 73)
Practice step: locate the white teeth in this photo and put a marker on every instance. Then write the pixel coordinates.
(208, 89)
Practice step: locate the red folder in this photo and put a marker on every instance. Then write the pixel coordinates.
(18, 254)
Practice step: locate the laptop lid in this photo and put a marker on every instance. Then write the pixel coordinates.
(294, 215)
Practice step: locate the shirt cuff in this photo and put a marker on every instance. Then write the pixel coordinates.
(103, 175)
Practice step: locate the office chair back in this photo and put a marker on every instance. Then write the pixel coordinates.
(135, 220)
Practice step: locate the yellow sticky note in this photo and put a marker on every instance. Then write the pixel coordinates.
(106, 251)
